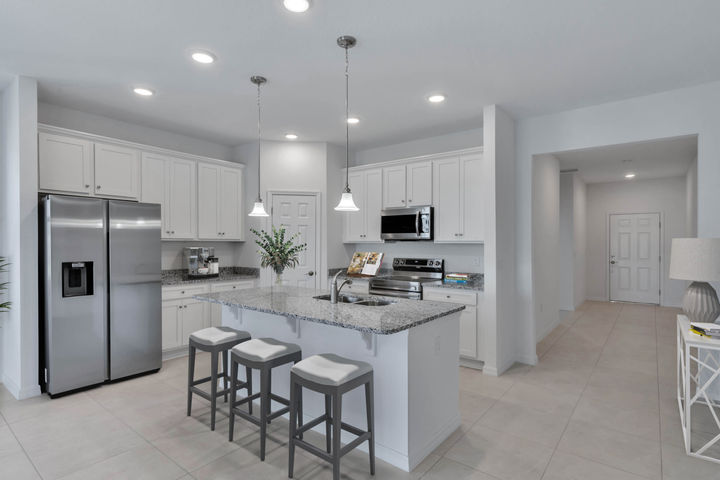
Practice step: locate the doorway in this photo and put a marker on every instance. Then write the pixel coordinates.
(634, 257)
(298, 214)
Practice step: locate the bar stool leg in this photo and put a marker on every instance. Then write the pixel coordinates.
(293, 421)
(337, 426)
(191, 377)
(264, 400)
(233, 396)
(328, 424)
(369, 407)
(269, 402)
(213, 387)
(248, 379)
(225, 376)
(300, 409)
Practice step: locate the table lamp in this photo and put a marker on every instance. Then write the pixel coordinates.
(697, 260)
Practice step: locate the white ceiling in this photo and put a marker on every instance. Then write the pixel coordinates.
(669, 157)
(530, 57)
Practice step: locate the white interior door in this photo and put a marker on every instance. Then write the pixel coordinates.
(635, 257)
(297, 214)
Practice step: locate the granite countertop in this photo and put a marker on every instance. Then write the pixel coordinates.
(227, 274)
(298, 303)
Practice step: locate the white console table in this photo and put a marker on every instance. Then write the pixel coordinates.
(698, 366)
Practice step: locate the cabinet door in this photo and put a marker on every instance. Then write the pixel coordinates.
(373, 205)
(419, 184)
(231, 215)
(473, 217)
(208, 206)
(194, 318)
(182, 199)
(394, 186)
(355, 221)
(468, 332)
(64, 164)
(170, 321)
(117, 171)
(153, 185)
(446, 192)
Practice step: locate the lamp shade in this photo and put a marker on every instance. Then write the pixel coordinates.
(346, 203)
(695, 259)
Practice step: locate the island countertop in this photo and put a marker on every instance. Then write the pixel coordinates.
(298, 303)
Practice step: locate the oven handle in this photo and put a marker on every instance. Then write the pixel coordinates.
(396, 293)
(417, 223)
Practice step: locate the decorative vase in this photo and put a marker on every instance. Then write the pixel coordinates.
(279, 278)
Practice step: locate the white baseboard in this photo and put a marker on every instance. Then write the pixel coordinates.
(470, 363)
(174, 353)
(430, 447)
(598, 299)
(21, 393)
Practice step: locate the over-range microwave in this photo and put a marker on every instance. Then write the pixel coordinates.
(414, 223)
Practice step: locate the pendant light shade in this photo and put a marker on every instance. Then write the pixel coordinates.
(346, 201)
(259, 208)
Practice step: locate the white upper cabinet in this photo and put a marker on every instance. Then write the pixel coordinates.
(117, 171)
(65, 164)
(419, 184)
(181, 199)
(393, 189)
(458, 190)
(220, 215)
(367, 189)
(407, 185)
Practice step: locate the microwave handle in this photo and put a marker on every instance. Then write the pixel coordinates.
(417, 223)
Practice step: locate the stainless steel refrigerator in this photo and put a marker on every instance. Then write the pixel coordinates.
(101, 292)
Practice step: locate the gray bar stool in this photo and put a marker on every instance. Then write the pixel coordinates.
(262, 354)
(213, 340)
(332, 376)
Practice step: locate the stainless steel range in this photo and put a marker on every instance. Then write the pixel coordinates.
(408, 277)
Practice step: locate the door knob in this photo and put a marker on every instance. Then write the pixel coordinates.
(612, 262)
(311, 273)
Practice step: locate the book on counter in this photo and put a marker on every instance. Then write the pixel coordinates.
(365, 264)
(710, 330)
(457, 278)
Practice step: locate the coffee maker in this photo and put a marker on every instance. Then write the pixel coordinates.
(201, 262)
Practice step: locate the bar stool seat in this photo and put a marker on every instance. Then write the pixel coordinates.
(262, 354)
(332, 376)
(214, 340)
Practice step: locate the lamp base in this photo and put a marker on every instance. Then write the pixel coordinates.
(700, 303)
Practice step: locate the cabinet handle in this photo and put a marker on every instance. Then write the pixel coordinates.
(87, 185)
(173, 232)
(182, 292)
(409, 200)
(403, 201)
(447, 296)
(98, 187)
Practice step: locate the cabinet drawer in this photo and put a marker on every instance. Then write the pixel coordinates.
(450, 296)
(172, 293)
(226, 287)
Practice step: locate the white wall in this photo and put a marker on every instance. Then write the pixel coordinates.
(131, 132)
(566, 244)
(580, 243)
(18, 174)
(545, 235)
(691, 199)
(687, 111)
(414, 148)
(664, 195)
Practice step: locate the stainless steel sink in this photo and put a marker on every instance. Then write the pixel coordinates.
(367, 302)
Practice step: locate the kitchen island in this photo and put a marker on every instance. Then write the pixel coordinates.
(412, 346)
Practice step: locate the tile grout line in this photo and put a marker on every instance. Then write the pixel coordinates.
(22, 447)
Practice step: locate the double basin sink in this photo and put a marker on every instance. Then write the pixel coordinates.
(365, 301)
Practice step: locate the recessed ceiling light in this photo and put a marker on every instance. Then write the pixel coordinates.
(203, 57)
(629, 175)
(291, 136)
(353, 120)
(436, 98)
(144, 92)
(297, 6)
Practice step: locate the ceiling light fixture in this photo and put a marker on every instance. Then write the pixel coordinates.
(258, 209)
(291, 136)
(143, 92)
(629, 175)
(436, 98)
(203, 57)
(353, 120)
(346, 201)
(297, 6)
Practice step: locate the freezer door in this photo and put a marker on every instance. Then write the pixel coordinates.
(74, 292)
(135, 325)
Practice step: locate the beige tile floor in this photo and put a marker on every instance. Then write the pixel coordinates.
(599, 405)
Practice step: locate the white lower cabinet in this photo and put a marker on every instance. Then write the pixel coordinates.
(170, 322)
(472, 338)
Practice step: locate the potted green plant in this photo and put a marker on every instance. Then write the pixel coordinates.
(277, 252)
(4, 306)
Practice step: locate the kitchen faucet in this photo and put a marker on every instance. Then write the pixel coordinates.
(335, 291)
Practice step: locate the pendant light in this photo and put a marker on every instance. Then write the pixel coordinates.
(258, 209)
(346, 201)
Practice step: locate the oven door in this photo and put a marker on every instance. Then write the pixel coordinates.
(407, 224)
